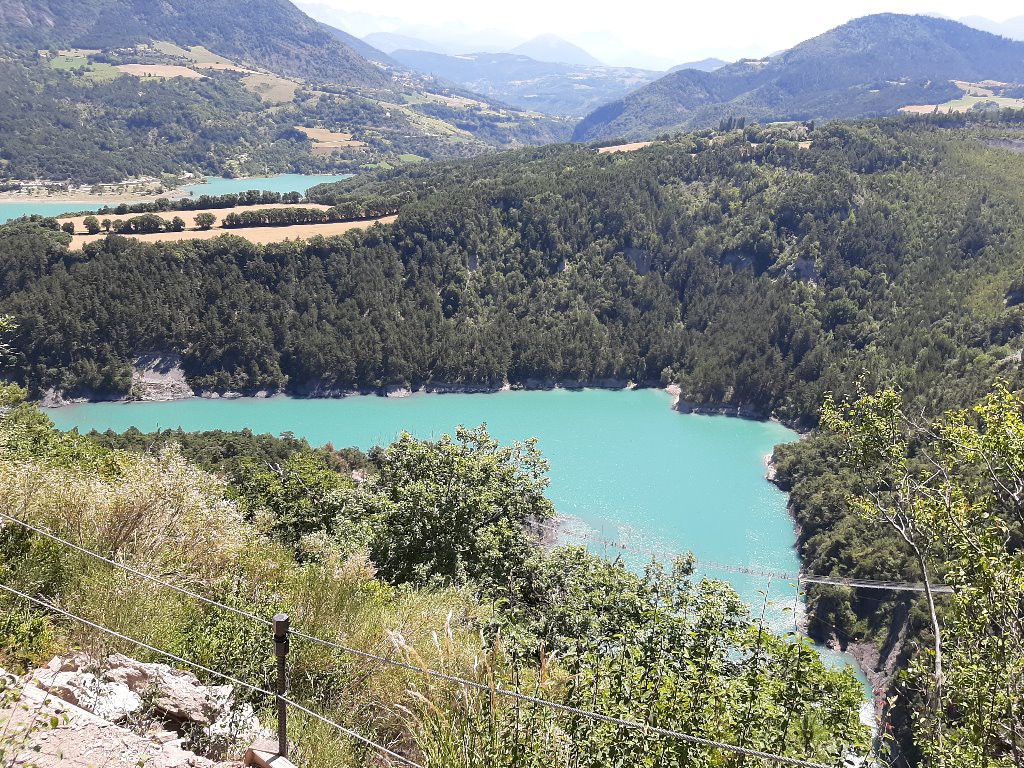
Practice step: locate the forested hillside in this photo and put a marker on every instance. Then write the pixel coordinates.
(170, 126)
(195, 87)
(273, 34)
(868, 67)
(753, 269)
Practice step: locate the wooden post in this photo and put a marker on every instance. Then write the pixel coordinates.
(281, 652)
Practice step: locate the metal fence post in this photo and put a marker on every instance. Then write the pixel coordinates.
(281, 621)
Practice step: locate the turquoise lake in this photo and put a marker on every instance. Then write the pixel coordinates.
(624, 467)
(10, 211)
(215, 185)
(284, 182)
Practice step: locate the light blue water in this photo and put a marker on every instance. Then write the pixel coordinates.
(284, 182)
(216, 185)
(10, 211)
(623, 466)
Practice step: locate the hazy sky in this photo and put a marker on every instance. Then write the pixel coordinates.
(673, 30)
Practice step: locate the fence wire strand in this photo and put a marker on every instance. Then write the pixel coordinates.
(426, 671)
(839, 581)
(212, 672)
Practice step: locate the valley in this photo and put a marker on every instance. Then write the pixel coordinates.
(464, 409)
(548, 87)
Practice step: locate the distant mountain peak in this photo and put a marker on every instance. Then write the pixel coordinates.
(552, 48)
(1011, 28)
(389, 42)
(709, 64)
(868, 67)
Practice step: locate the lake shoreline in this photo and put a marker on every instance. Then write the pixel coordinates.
(581, 424)
(98, 200)
(54, 399)
(58, 200)
(316, 391)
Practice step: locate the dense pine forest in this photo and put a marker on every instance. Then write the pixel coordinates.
(760, 268)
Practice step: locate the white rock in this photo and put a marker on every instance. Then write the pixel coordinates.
(109, 700)
(177, 694)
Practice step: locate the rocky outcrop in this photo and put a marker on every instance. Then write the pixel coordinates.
(719, 409)
(105, 699)
(606, 383)
(43, 729)
(447, 388)
(118, 688)
(159, 377)
(55, 398)
(881, 662)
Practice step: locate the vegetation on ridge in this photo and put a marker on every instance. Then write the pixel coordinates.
(271, 34)
(218, 125)
(753, 270)
(951, 490)
(868, 67)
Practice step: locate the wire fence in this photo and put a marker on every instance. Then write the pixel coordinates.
(212, 672)
(490, 688)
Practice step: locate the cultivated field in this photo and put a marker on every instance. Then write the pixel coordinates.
(159, 70)
(271, 88)
(985, 92)
(327, 142)
(626, 147)
(964, 104)
(77, 62)
(189, 217)
(223, 66)
(198, 55)
(259, 235)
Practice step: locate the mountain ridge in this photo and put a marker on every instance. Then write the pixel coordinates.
(868, 67)
(280, 37)
(556, 50)
(709, 64)
(1011, 28)
(389, 42)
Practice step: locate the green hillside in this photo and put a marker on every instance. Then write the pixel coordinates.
(274, 35)
(760, 270)
(868, 67)
(150, 96)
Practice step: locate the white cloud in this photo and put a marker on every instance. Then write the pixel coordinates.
(672, 30)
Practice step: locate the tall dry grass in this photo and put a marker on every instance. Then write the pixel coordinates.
(160, 514)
